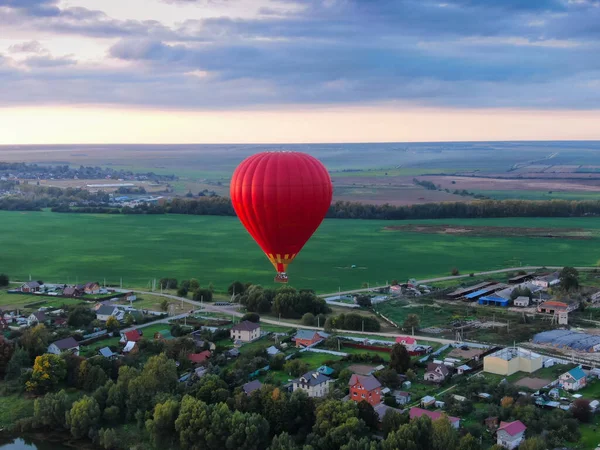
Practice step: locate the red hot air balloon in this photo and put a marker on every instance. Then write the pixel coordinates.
(281, 198)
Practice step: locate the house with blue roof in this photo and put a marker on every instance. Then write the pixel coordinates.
(573, 380)
(325, 370)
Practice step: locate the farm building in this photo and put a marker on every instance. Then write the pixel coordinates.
(547, 280)
(511, 360)
(493, 300)
(554, 307)
(467, 290)
(521, 278)
(521, 301)
(569, 339)
(485, 291)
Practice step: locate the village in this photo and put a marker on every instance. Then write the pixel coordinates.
(395, 373)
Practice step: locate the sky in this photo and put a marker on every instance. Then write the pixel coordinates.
(276, 71)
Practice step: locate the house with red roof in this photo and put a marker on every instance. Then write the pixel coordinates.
(433, 415)
(407, 341)
(130, 336)
(198, 358)
(367, 388)
(510, 434)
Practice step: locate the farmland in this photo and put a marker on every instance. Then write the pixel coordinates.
(218, 250)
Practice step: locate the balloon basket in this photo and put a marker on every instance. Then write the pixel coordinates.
(281, 278)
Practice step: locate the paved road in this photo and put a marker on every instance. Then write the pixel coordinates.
(283, 323)
(456, 277)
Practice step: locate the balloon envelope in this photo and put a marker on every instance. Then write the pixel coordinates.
(281, 198)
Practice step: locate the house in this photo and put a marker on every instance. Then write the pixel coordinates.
(547, 281)
(555, 307)
(407, 341)
(402, 397)
(163, 335)
(130, 336)
(60, 322)
(462, 369)
(64, 345)
(433, 415)
(511, 360)
(36, 317)
(325, 370)
(315, 384)
(521, 301)
(245, 331)
(105, 311)
(30, 287)
(428, 400)
(510, 434)
(573, 380)
(366, 388)
(251, 386)
(130, 297)
(306, 338)
(436, 373)
(72, 291)
(492, 423)
(130, 347)
(91, 288)
(106, 352)
(198, 358)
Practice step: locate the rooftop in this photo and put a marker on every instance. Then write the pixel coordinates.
(252, 386)
(246, 325)
(66, 343)
(312, 378)
(510, 353)
(512, 428)
(368, 382)
(433, 415)
(577, 373)
(568, 338)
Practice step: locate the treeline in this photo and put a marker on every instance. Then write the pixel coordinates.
(285, 301)
(352, 321)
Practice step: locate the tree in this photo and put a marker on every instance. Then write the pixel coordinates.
(50, 410)
(533, 443)
(507, 402)
(35, 340)
(6, 352)
(251, 317)
(411, 321)
(392, 420)
(569, 278)
(204, 295)
(295, 367)
(182, 292)
(162, 425)
(248, 431)
(129, 319)
(112, 323)
(108, 439)
(236, 288)
(159, 374)
(18, 361)
(48, 371)
(388, 377)
(80, 316)
(283, 441)
(363, 300)
(193, 423)
(468, 442)
(399, 358)
(4, 281)
(444, 435)
(309, 319)
(394, 283)
(455, 271)
(581, 410)
(368, 414)
(194, 284)
(411, 375)
(164, 305)
(83, 417)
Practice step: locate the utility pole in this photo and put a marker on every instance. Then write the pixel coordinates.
(363, 325)
(121, 282)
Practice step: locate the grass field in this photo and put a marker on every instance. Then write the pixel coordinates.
(14, 407)
(218, 250)
(537, 195)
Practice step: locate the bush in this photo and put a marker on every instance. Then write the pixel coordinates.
(455, 271)
(251, 317)
(309, 319)
(3, 280)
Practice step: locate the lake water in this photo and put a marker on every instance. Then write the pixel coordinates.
(28, 444)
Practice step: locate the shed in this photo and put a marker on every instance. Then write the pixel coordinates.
(493, 300)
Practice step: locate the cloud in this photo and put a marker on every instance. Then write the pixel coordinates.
(28, 47)
(460, 53)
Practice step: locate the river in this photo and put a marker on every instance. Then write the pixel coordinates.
(30, 444)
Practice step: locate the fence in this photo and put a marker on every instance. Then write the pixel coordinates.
(368, 347)
(320, 350)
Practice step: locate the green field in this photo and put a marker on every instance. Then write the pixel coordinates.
(537, 195)
(218, 250)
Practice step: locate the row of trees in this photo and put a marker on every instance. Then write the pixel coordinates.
(352, 321)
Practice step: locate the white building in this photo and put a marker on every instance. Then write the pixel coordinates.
(510, 434)
(521, 301)
(547, 281)
(245, 331)
(105, 311)
(64, 345)
(315, 384)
